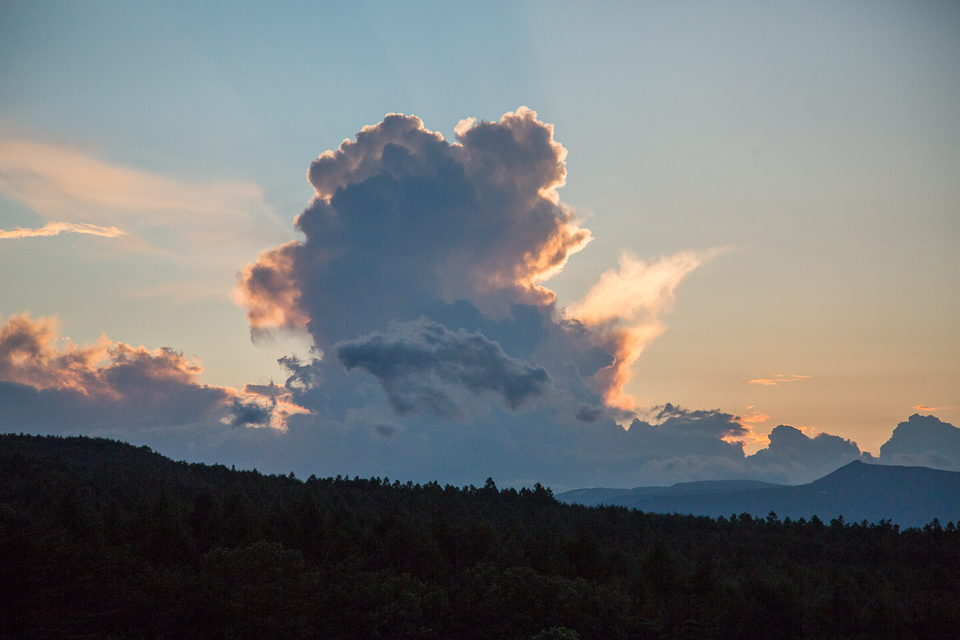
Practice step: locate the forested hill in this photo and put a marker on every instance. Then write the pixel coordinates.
(908, 496)
(99, 539)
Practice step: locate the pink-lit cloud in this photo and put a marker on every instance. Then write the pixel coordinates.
(269, 289)
(625, 309)
(150, 383)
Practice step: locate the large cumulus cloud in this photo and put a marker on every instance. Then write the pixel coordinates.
(421, 279)
(406, 225)
(402, 218)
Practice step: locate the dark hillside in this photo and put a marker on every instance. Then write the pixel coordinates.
(99, 539)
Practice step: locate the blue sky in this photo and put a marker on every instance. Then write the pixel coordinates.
(807, 154)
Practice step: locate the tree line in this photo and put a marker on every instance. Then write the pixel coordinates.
(102, 539)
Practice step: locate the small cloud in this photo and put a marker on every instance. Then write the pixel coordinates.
(751, 440)
(248, 414)
(923, 407)
(270, 291)
(270, 404)
(808, 430)
(56, 228)
(589, 413)
(777, 379)
(385, 430)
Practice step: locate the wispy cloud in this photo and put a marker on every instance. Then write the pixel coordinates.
(80, 193)
(181, 292)
(754, 418)
(56, 228)
(777, 379)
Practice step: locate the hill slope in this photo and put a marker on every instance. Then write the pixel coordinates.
(908, 496)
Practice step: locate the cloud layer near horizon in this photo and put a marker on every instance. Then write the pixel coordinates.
(113, 387)
(153, 397)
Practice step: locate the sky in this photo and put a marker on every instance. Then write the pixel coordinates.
(609, 244)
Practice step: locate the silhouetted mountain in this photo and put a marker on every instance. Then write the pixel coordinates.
(908, 496)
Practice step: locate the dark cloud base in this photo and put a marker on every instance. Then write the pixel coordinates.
(923, 441)
(422, 365)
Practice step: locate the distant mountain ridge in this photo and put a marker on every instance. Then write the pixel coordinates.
(907, 496)
(600, 495)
